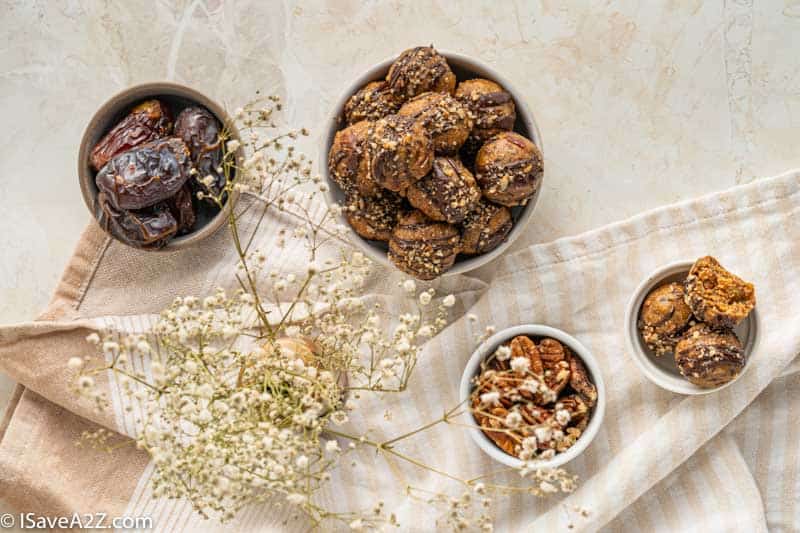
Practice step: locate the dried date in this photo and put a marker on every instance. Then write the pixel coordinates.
(182, 208)
(145, 175)
(152, 227)
(200, 130)
(146, 122)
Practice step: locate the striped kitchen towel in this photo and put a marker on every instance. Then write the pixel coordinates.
(661, 462)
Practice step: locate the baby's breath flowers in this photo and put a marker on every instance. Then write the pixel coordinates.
(240, 396)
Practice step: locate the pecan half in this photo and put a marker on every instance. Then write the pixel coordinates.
(575, 405)
(534, 415)
(552, 350)
(522, 346)
(502, 438)
(557, 375)
(579, 380)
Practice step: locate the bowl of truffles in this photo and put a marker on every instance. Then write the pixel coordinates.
(151, 166)
(435, 160)
(535, 394)
(692, 326)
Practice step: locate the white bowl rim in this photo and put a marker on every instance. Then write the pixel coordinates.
(524, 114)
(655, 374)
(535, 330)
(124, 99)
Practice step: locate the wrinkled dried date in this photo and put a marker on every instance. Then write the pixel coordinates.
(152, 227)
(146, 122)
(145, 175)
(182, 208)
(200, 130)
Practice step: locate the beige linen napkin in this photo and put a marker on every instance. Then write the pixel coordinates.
(661, 462)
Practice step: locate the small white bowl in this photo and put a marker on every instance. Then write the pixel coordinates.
(662, 370)
(464, 68)
(535, 330)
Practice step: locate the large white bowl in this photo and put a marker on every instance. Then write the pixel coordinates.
(662, 370)
(464, 68)
(535, 330)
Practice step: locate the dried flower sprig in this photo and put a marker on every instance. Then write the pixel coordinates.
(240, 398)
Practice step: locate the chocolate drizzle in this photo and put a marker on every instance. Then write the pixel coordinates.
(449, 192)
(422, 247)
(709, 358)
(419, 70)
(509, 169)
(485, 228)
(399, 152)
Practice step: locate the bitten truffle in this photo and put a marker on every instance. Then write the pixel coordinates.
(419, 70)
(374, 217)
(399, 152)
(372, 102)
(447, 120)
(347, 160)
(664, 317)
(449, 192)
(509, 169)
(491, 106)
(422, 247)
(485, 228)
(709, 358)
(716, 296)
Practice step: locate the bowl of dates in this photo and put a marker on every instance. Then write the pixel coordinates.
(436, 161)
(534, 395)
(150, 166)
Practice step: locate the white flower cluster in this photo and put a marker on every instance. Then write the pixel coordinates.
(225, 426)
(234, 411)
(470, 511)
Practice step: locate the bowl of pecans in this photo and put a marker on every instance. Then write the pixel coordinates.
(535, 395)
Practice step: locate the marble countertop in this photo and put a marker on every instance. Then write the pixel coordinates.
(639, 105)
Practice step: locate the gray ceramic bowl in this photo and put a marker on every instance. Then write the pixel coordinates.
(464, 68)
(662, 370)
(176, 97)
(534, 330)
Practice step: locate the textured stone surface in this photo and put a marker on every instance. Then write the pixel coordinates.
(639, 105)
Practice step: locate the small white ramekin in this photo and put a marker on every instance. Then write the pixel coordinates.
(534, 330)
(662, 370)
(464, 67)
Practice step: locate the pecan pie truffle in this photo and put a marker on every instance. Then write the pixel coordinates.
(717, 297)
(491, 106)
(373, 218)
(347, 159)
(399, 152)
(485, 228)
(422, 247)
(420, 70)
(447, 120)
(509, 169)
(709, 358)
(449, 192)
(664, 317)
(371, 102)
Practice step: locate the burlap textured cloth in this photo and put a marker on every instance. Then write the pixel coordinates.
(661, 462)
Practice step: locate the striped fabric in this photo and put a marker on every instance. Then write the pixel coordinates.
(661, 462)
